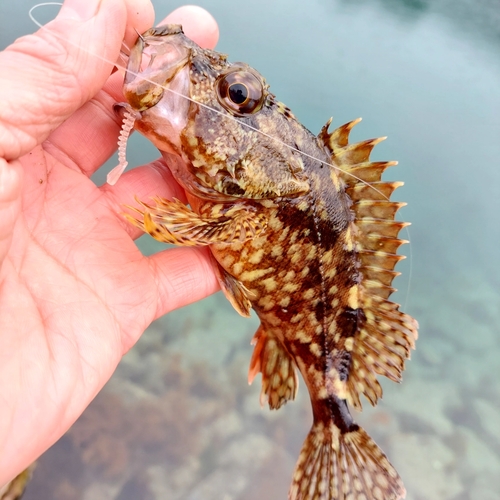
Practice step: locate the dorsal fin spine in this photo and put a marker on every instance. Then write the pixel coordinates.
(385, 340)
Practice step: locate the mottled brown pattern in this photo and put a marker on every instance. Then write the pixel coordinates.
(303, 232)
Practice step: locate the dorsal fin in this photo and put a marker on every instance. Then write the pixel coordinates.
(384, 340)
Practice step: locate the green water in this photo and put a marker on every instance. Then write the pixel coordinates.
(178, 421)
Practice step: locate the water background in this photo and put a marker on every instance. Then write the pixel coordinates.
(178, 421)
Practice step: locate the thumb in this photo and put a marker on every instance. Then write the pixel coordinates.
(48, 75)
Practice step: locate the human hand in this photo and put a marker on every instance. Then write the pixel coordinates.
(75, 292)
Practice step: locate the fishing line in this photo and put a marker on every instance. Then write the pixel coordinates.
(222, 114)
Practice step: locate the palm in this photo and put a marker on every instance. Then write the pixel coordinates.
(69, 258)
(72, 235)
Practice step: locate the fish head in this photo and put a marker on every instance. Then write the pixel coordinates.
(228, 133)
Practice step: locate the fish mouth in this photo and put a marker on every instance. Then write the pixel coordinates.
(157, 85)
(158, 56)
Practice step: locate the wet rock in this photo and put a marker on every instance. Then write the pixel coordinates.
(489, 416)
(213, 333)
(272, 479)
(172, 483)
(102, 491)
(236, 466)
(485, 487)
(227, 426)
(426, 465)
(433, 350)
(478, 456)
(428, 401)
(472, 327)
(136, 487)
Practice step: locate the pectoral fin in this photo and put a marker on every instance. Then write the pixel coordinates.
(171, 221)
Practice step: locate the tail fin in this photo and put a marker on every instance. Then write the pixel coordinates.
(343, 466)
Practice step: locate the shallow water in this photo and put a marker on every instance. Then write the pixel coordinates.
(178, 421)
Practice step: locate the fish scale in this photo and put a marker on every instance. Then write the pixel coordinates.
(301, 229)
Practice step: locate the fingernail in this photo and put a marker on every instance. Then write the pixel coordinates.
(79, 10)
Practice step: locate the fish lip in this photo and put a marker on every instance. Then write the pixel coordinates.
(154, 61)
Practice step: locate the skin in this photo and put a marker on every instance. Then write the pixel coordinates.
(75, 292)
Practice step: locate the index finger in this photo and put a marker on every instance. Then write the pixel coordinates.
(50, 74)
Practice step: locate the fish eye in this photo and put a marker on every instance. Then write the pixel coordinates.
(240, 92)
